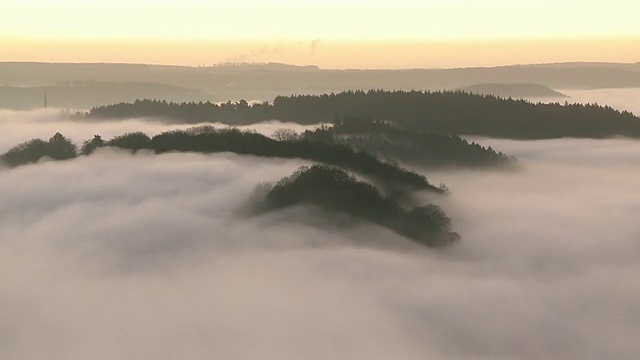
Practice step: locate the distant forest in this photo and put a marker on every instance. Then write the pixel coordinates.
(445, 112)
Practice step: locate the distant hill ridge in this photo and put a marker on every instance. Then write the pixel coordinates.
(266, 81)
(446, 112)
(84, 94)
(502, 90)
(556, 76)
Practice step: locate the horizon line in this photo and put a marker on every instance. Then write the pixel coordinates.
(316, 67)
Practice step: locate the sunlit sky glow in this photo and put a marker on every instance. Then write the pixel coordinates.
(205, 32)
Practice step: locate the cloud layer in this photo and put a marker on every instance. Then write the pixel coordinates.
(20, 126)
(620, 99)
(145, 256)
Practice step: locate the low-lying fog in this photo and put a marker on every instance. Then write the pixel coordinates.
(116, 256)
(619, 99)
(20, 126)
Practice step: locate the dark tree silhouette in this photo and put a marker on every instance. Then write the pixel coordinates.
(61, 148)
(285, 135)
(333, 189)
(445, 112)
(389, 141)
(327, 187)
(133, 141)
(207, 139)
(58, 148)
(90, 146)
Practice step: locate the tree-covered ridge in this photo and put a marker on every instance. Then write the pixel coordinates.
(207, 139)
(390, 141)
(230, 113)
(334, 189)
(445, 112)
(329, 187)
(57, 148)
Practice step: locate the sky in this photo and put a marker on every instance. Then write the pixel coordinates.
(401, 33)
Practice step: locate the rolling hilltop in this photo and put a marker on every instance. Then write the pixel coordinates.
(86, 94)
(519, 91)
(266, 81)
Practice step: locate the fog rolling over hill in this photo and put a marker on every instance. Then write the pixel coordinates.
(319, 180)
(266, 81)
(195, 240)
(150, 256)
(620, 99)
(519, 91)
(25, 125)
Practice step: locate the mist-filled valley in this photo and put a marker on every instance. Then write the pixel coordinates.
(343, 235)
(319, 180)
(621, 99)
(123, 255)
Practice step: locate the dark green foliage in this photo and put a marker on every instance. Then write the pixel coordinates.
(232, 113)
(27, 152)
(61, 148)
(462, 113)
(207, 139)
(211, 140)
(440, 112)
(327, 187)
(90, 146)
(58, 148)
(132, 141)
(390, 141)
(332, 189)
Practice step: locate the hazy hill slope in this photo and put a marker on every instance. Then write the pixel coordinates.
(265, 82)
(87, 94)
(519, 91)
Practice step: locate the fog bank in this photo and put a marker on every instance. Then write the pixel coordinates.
(620, 99)
(20, 126)
(147, 256)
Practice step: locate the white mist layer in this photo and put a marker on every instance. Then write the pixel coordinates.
(145, 256)
(21, 126)
(627, 99)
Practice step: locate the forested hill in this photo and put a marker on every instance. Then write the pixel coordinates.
(442, 112)
(382, 196)
(388, 141)
(207, 139)
(335, 190)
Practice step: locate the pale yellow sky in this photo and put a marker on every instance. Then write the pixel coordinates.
(329, 33)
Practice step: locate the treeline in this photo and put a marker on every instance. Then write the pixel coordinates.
(333, 189)
(230, 113)
(57, 148)
(392, 142)
(447, 112)
(208, 139)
